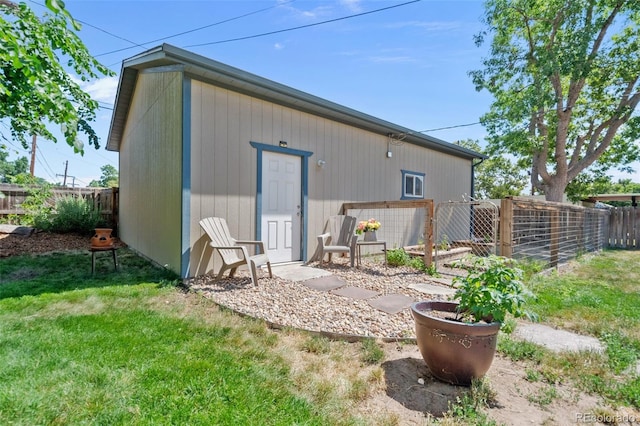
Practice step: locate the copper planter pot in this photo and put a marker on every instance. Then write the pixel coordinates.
(455, 352)
(102, 238)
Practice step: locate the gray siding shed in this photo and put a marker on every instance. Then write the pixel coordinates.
(192, 132)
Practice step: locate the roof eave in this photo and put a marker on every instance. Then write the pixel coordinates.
(253, 85)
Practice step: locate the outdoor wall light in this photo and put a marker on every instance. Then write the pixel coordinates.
(321, 163)
(283, 144)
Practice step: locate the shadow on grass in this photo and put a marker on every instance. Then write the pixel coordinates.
(432, 396)
(67, 271)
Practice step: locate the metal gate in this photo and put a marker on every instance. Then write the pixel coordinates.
(464, 228)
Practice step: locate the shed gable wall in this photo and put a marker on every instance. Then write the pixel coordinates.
(150, 169)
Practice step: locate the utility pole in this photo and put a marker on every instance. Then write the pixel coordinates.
(33, 155)
(64, 181)
(66, 166)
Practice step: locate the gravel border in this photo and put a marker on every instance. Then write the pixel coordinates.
(285, 303)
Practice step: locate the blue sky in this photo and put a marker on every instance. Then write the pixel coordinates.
(408, 64)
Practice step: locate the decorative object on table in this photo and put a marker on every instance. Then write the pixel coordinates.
(102, 238)
(368, 228)
(458, 339)
(102, 241)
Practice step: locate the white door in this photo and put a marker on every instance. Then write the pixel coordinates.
(281, 202)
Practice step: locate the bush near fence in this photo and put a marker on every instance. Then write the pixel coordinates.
(105, 200)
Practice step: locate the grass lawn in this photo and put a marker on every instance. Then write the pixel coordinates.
(600, 297)
(131, 348)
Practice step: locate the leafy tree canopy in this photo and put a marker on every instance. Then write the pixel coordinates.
(597, 182)
(108, 179)
(35, 88)
(10, 169)
(497, 176)
(565, 78)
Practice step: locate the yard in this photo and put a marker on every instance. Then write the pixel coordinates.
(133, 348)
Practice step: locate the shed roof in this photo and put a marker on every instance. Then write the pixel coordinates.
(219, 74)
(613, 197)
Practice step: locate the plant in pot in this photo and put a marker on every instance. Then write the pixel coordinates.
(457, 339)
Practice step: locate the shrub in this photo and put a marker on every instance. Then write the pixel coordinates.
(397, 257)
(36, 205)
(72, 214)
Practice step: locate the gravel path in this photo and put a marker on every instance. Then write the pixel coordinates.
(288, 303)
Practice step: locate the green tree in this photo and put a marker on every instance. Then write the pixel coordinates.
(108, 179)
(564, 75)
(9, 169)
(497, 176)
(594, 183)
(35, 88)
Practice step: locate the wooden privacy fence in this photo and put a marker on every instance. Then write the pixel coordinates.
(624, 224)
(549, 232)
(105, 200)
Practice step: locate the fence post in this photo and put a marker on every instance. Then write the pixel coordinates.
(115, 207)
(506, 227)
(554, 243)
(428, 233)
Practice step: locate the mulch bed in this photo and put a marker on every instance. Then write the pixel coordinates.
(42, 242)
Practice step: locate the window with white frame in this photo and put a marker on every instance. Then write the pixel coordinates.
(412, 184)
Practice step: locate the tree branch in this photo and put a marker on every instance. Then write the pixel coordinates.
(8, 4)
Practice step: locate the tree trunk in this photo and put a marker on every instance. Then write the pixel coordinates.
(554, 190)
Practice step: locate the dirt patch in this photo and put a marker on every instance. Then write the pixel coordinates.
(42, 242)
(413, 396)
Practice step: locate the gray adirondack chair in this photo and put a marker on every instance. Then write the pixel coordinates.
(339, 237)
(233, 252)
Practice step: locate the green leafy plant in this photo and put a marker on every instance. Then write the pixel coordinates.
(37, 206)
(468, 408)
(444, 244)
(418, 263)
(397, 257)
(491, 289)
(72, 214)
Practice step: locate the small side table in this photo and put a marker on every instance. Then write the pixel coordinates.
(361, 243)
(93, 251)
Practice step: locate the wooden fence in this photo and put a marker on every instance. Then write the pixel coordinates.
(624, 224)
(550, 232)
(104, 200)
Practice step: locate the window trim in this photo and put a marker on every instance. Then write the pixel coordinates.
(419, 175)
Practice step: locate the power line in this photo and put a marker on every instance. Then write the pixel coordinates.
(224, 21)
(303, 26)
(97, 28)
(449, 127)
(48, 170)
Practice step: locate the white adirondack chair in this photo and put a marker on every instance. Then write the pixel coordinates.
(339, 238)
(232, 251)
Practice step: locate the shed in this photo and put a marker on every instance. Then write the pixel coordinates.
(199, 138)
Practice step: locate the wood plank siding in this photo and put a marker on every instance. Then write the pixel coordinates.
(223, 164)
(151, 168)
(192, 134)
